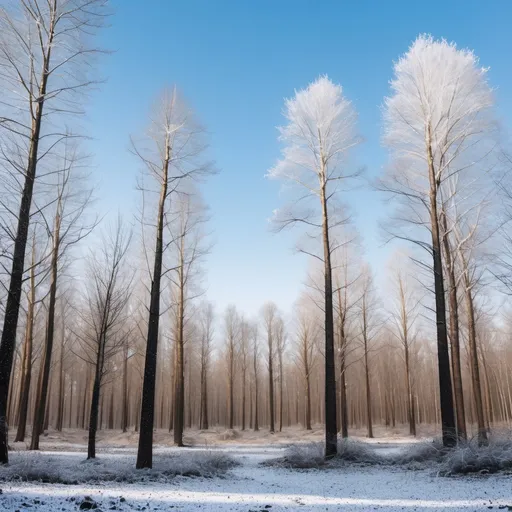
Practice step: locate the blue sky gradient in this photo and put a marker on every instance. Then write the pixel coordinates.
(235, 62)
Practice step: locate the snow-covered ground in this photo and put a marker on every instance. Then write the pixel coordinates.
(253, 487)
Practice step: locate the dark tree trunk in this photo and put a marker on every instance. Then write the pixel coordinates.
(179, 391)
(473, 357)
(458, 394)
(39, 412)
(331, 434)
(93, 417)
(12, 307)
(145, 449)
(443, 356)
(26, 371)
(243, 396)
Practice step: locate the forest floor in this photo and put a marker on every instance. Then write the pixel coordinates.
(249, 486)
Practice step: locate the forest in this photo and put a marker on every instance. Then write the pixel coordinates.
(106, 324)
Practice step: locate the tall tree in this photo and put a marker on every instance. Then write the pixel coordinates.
(319, 133)
(44, 57)
(173, 157)
(432, 120)
(256, 369)
(280, 336)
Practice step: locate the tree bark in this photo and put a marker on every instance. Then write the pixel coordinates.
(26, 372)
(12, 308)
(39, 412)
(331, 434)
(443, 357)
(458, 394)
(145, 449)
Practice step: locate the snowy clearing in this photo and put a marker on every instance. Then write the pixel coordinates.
(251, 486)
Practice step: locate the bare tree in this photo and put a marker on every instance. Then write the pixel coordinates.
(280, 336)
(105, 320)
(43, 55)
(433, 118)
(172, 158)
(207, 333)
(256, 368)
(318, 136)
(269, 314)
(307, 333)
(368, 325)
(232, 333)
(244, 363)
(189, 248)
(405, 315)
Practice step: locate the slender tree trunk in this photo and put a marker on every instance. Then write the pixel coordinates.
(271, 381)
(458, 394)
(60, 398)
(243, 396)
(411, 413)
(124, 420)
(280, 390)
(308, 401)
(145, 449)
(179, 392)
(443, 357)
(93, 417)
(342, 356)
(473, 357)
(26, 374)
(256, 419)
(331, 434)
(368, 390)
(204, 398)
(39, 412)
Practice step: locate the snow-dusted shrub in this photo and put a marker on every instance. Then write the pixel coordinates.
(71, 469)
(419, 454)
(229, 435)
(469, 457)
(304, 456)
(311, 455)
(356, 451)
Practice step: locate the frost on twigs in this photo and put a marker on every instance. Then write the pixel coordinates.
(73, 469)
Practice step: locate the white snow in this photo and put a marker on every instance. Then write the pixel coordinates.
(252, 487)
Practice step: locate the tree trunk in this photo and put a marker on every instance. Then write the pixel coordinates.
(458, 394)
(12, 308)
(280, 390)
(473, 357)
(145, 449)
(26, 372)
(271, 382)
(93, 417)
(39, 412)
(342, 356)
(60, 397)
(179, 391)
(256, 419)
(124, 420)
(443, 357)
(204, 398)
(243, 396)
(331, 434)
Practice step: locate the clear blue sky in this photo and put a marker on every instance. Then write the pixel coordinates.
(235, 61)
